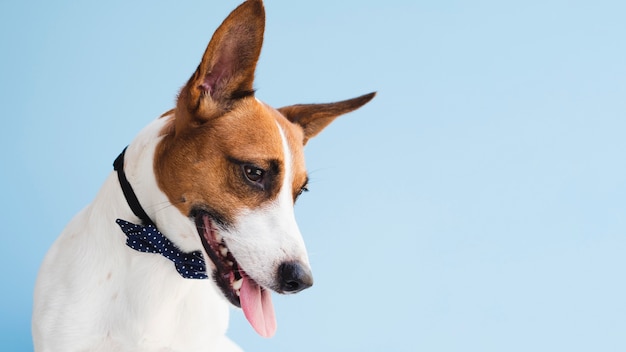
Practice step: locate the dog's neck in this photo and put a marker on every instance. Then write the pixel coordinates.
(138, 168)
(148, 239)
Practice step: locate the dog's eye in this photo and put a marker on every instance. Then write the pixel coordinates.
(253, 173)
(302, 190)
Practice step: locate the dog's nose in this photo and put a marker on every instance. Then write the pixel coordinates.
(294, 277)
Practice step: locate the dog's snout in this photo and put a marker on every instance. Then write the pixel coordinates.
(294, 277)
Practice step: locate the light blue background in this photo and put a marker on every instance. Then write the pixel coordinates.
(477, 204)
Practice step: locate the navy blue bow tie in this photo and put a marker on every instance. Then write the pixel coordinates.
(148, 239)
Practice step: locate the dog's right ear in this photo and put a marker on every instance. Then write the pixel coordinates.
(226, 72)
(313, 118)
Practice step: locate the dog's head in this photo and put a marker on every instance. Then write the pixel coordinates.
(235, 166)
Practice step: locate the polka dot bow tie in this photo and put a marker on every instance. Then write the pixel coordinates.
(148, 239)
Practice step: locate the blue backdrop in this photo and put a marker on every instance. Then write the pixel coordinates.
(477, 204)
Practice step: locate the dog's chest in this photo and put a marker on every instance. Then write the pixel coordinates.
(127, 300)
(164, 309)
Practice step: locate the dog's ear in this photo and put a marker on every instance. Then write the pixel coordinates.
(313, 118)
(226, 72)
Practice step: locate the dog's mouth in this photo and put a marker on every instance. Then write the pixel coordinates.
(238, 288)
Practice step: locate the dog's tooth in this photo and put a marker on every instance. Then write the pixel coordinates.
(223, 251)
(218, 237)
(229, 263)
(237, 284)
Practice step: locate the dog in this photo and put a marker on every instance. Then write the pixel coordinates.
(197, 215)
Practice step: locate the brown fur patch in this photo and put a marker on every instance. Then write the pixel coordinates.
(200, 168)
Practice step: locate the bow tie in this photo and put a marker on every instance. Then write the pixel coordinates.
(149, 239)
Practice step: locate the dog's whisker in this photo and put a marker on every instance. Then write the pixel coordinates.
(158, 207)
(162, 207)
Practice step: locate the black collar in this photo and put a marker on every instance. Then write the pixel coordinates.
(129, 194)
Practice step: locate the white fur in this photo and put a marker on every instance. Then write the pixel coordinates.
(93, 293)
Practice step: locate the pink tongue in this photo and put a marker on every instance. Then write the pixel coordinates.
(257, 307)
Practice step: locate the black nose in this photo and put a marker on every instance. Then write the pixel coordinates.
(294, 277)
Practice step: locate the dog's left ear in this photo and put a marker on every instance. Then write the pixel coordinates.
(226, 72)
(313, 118)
